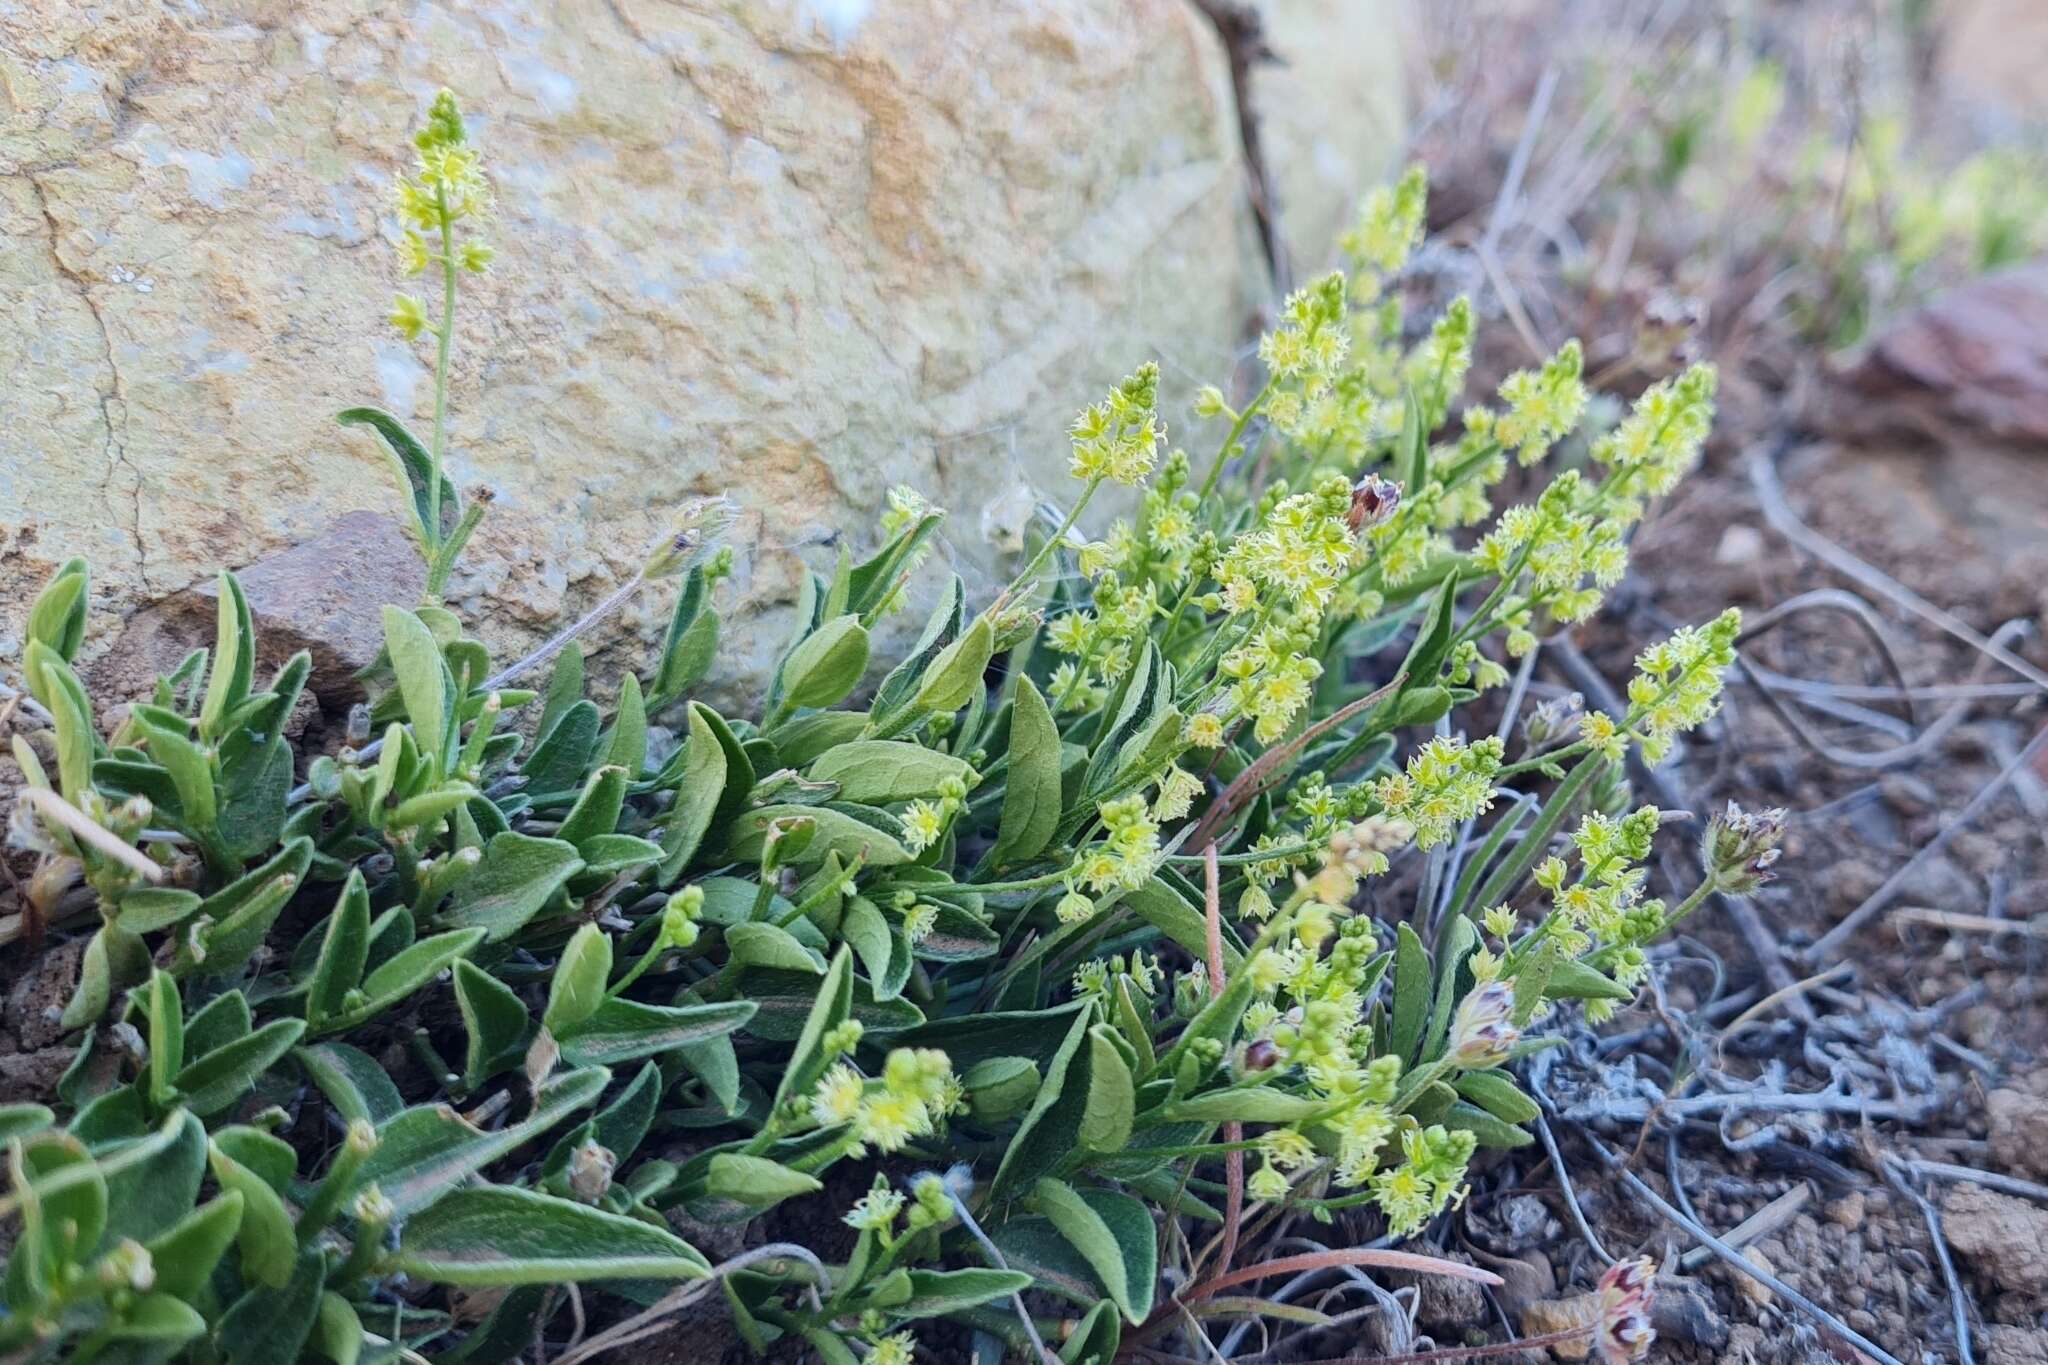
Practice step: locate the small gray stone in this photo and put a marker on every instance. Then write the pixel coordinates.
(1444, 1305)
(39, 994)
(31, 1077)
(1684, 1311)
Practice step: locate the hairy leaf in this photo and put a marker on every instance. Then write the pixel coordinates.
(1114, 1234)
(626, 1030)
(517, 877)
(496, 1235)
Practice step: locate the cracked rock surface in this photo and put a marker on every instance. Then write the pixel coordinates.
(768, 250)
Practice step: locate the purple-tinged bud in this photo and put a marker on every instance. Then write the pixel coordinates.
(1373, 500)
(1484, 1029)
(1549, 722)
(1741, 846)
(1623, 1331)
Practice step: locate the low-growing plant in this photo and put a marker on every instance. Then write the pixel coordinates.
(1047, 932)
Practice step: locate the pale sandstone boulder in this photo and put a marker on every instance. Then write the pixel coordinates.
(791, 252)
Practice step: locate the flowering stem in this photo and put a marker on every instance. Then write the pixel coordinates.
(447, 341)
(1549, 758)
(1626, 728)
(1670, 920)
(363, 1252)
(1053, 541)
(1233, 1131)
(1236, 430)
(821, 895)
(638, 969)
(1508, 578)
(445, 553)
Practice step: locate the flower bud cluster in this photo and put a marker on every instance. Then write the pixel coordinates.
(916, 1091)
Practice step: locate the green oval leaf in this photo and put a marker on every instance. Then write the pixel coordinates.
(343, 951)
(1249, 1104)
(627, 746)
(765, 945)
(1114, 1234)
(1112, 1096)
(1490, 1131)
(1497, 1095)
(269, 1245)
(517, 877)
(495, 1235)
(581, 975)
(1574, 980)
(1411, 991)
(877, 771)
(697, 796)
(186, 1254)
(626, 1030)
(353, 1082)
(496, 1021)
(215, 1081)
(936, 1293)
(755, 1182)
(427, 1150)
(596, 811)
(837, 831)
(1031, 798)
(243, 911)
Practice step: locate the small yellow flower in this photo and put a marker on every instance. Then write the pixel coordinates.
(1267, 1184)
(922, 825)
(1177, 792)
(838, 1097)
(919, 921)
(875, 1211)
(888, 1120)
(409, 317)
(893, 1350)
(1073, 908)
(413, 255)
(1287, 1149)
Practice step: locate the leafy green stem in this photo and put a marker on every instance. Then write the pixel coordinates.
(445, 344)
(1230, 441)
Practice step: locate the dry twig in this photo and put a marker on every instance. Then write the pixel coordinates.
(1876, 901)
(1734, 1259)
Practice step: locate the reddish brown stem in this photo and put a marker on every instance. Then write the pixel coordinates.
(1233, 1131)
(1364, 1256)
(1252, 780)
